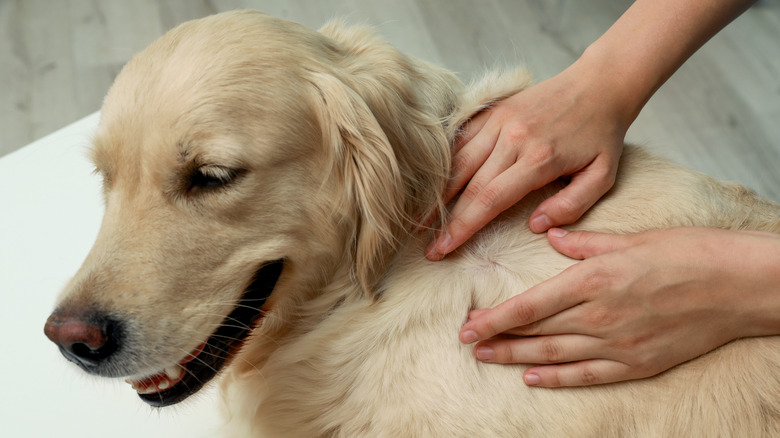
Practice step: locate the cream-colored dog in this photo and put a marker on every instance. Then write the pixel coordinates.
(262, 185)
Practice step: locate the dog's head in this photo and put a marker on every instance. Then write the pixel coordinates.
(245, 161)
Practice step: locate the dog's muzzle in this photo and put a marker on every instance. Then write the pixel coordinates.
(91, 339)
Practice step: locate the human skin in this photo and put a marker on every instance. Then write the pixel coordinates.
(573, 125)
(626, 313)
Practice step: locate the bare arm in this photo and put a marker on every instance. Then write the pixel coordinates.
(573, 125)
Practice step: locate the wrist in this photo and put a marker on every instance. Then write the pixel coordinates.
(649, 42)
(619, 92)
(760, 288)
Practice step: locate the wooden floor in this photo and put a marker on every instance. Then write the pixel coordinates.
(720, 113)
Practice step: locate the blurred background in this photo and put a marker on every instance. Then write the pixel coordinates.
(719, 114)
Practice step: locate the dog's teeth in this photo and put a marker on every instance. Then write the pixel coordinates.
(151, 389)
(158, 383)
(173, 372)
(132, 383)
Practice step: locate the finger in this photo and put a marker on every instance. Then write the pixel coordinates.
(477, 313)
(541, 301)
(499, 194)
(470, 129)
(582, 373)
(499, 161)
(564, 322)
(569, 204)
(468, 161)
(539, 349)
(585, 244)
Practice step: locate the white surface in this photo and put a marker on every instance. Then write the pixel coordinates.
(50, 212)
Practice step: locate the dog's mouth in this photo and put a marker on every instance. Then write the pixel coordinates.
(178, 381)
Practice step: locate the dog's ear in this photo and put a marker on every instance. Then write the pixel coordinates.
(365, 163)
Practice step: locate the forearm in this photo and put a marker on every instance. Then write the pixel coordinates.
(650, 41)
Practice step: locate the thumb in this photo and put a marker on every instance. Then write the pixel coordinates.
(584, 244)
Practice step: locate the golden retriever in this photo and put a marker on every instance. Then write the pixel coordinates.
(263, 186)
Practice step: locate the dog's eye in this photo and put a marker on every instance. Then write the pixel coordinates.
(211, 177)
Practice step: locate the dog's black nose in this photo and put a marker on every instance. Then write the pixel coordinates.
(86, 340)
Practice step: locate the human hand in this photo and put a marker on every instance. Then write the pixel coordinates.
(636, 306)
(572, 125)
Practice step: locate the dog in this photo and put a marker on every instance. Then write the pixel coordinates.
(264, 185)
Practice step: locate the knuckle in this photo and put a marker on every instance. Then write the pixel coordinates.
(489, 197)
(600, 318)
(472, 190)
(551, 351)
(568, 209)
(630, 344)
(604, 179)
(593, 278)
(458, 228)
(643, 368)
(588, 240)
(550, 376)
(567, 203)
(589, 281)
(517, 133)
(588, 376)
(460, 162)
(650, 368)
(532, 329)
(540, 155)
(523, 312)
(609, 180)
(505, 353)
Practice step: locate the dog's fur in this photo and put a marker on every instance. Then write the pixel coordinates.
(343, 145)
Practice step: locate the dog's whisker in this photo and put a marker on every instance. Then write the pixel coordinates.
(239, 324)
(193, 375)
(199, 359)
(236, 307)
(242, 304)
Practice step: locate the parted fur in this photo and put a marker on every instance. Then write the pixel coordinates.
(345, 143)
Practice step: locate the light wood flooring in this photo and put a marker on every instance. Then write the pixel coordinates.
(720, 113)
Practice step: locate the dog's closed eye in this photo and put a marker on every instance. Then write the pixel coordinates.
(211, 177)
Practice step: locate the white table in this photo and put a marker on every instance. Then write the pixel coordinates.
(50, 211)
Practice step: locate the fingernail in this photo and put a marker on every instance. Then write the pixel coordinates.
(469, 337)
(532, 379)
(540, 223)
(485, 353)
(557, 232)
